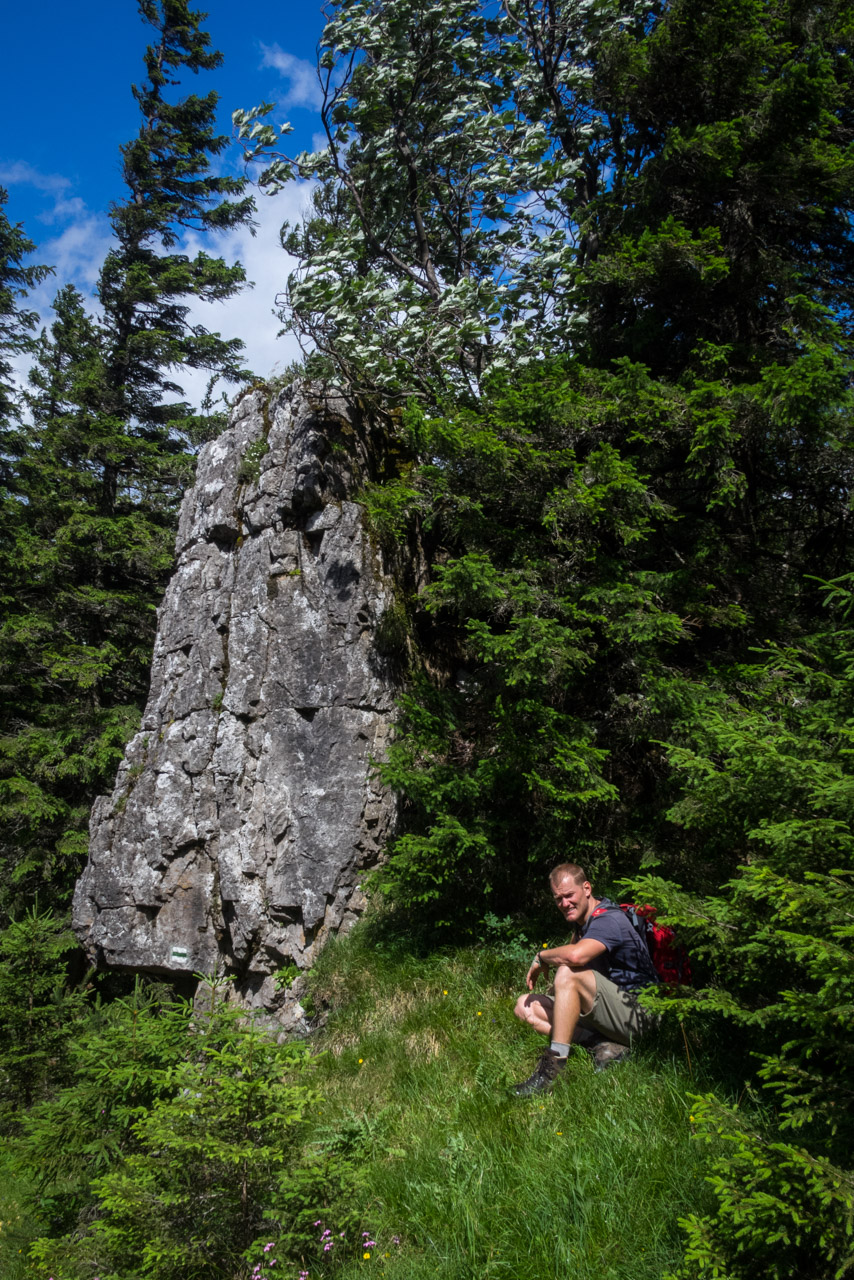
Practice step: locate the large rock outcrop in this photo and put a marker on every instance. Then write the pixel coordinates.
(246, 807)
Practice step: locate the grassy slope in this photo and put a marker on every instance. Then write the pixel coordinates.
(587, 1182)
(414, 1067)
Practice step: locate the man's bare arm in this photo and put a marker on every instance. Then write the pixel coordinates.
(578, 955)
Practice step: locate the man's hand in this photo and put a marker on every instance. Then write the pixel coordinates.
(578, 955)
(534, 973)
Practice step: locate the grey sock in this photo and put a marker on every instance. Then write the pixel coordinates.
(559, 1048)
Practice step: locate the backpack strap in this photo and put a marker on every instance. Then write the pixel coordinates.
(602, 911)
(598, 911)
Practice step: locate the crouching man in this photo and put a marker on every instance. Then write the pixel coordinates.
(595, 980)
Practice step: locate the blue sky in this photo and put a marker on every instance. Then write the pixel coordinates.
(66, 72)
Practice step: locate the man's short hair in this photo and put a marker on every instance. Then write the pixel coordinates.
(571, 869)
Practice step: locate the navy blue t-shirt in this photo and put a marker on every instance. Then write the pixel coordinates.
(626, 959)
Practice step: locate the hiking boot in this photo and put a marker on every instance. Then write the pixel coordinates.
(546, 1072)
(607, 1054)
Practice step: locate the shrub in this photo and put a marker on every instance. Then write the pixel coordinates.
(202, 1123)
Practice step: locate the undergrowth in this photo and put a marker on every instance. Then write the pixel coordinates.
(18, 1225)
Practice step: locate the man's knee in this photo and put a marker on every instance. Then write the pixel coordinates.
(532, 1009)
(528, 1010)
(583, 981)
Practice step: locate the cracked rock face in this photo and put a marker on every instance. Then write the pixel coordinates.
(245, 808)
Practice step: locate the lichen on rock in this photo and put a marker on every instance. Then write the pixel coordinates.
(246, 807)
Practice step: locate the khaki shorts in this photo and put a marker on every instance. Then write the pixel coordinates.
(616, 1013)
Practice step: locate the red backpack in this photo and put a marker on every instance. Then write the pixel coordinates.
(670, 959)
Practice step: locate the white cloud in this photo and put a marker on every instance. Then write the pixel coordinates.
(64, 209)
(77, 251)
(251, 315)
(76, 254)
(305, 90)
(21, 172)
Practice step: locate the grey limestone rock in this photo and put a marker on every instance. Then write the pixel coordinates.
(246, 806)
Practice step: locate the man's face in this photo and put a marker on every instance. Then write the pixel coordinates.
(572, 899)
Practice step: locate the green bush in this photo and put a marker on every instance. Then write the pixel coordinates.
(175, 1139)
(39, 1013)
(782, 1212)
(764, 758)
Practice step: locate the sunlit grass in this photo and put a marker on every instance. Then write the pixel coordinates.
(587, 1182)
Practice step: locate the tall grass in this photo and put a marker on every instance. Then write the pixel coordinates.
(586, 1182)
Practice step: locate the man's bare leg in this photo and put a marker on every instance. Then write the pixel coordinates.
(557, 1017)
(575, 991)
(574, 995)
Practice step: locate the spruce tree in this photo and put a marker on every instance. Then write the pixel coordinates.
(16, 279)
(57, 649)
(100, 469)
(146, 293)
